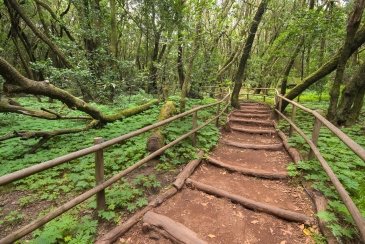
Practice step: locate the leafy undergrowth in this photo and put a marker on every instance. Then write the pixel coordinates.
(348, 167)
(34, 196)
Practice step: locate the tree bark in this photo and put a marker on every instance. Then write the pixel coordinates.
(352, 98)
(17, 83)
(113, 29)
(288, 68)
(352, 26)
(39, 34)
(325, 69)
(246, 52)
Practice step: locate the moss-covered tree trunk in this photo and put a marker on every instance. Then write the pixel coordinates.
(16, 83)
(325, 69)
(289, 66)
(157, 140)
(351, 100)
(238, 79)
(352, 26)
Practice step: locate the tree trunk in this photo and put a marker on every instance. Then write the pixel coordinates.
(246, 52)
(288, 68)
(17, 83)
(38, 33)
(351, 98)
(325, 69)
(352, 26)
(113, 29)
(180, 62)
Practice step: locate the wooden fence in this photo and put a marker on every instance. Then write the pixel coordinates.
(100, 145)
(319, 121)
(98, 150)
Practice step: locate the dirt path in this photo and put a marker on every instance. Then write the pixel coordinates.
(242, 170)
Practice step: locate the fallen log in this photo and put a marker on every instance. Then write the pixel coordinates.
(157, 140)
(187, 171)
(253, 131)
(252, 121)
(175, 229)
(248, 115)
(293, 152)
(277, 146)
(258, 112)
(146, 228)
(321, 205)
(251, 204)
(249, 104)
(249, 172)
(118, 231)
(253, 111)
(163, 197)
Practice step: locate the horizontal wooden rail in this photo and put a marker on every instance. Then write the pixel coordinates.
(102, 184)
(83, 152)
(356, 148)
(350, 205)
(86, 195)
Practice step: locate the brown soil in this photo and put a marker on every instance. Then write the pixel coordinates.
(218, 220)
(278, 193)
(251, 138)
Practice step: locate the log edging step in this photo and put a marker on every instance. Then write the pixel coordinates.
(253, 131)
(173, 230)
(249, 172)
(249, 115)
(251, 204)
(252, 121)
(274, 147)
(253, 111)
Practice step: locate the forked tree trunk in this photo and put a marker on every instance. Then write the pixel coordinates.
(352, 98)
(352, 26)
(288, 68)
(246, 52)
(325, 69)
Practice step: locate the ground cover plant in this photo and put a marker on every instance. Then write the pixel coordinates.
(46, 190)
(347, 166)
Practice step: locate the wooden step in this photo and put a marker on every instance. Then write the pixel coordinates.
(276, 146)
(250, 172)
(251, 204)
(175, 231)
(252, 121)
(253, 131)
(253, 111)
(249, 115)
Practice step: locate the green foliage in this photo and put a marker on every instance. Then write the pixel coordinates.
(292, 170)
(71, 178)
(346, 165)
(66, 229)
(12, 217)
(148, 182)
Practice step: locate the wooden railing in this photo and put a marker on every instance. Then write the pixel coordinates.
(314, 152)
(97, 149)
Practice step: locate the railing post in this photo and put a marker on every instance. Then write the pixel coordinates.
(280, 103)
(291, 129)
(99, 174)
(218, 111)
(315, 134)
(195, 124)
(264, 98)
